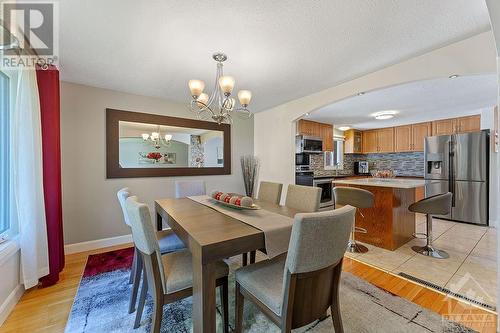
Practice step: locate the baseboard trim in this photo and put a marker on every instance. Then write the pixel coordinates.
(11, 301)
(97, 244)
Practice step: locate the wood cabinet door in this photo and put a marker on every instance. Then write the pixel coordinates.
(327, 136)
(419, 132)
(444, 127)
(469, 124)
(369, 142)
(402, 138)
(385, 139)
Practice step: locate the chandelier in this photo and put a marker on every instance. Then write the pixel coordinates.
(156, 139)
(219, 106)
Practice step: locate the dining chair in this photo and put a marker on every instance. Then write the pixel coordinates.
(360, 199)
(296, 289)
(168, 242)
(169, 277)
(186, 188)
(303, 198)
(268, 192)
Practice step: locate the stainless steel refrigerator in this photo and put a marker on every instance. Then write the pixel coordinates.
(459, 164)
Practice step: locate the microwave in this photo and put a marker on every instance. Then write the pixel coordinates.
(308, 144)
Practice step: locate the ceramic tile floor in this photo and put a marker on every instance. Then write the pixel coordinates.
(471, 269)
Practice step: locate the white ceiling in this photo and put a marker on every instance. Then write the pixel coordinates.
(281, 50)
(415, 101)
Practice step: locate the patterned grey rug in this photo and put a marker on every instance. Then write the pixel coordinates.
(102, 301)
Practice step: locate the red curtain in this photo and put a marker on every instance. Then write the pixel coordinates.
(48, 89)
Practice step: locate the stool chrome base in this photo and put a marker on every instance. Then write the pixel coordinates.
(354, 247)
(430, 252)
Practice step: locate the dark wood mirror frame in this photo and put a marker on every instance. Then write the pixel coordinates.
(113, 169)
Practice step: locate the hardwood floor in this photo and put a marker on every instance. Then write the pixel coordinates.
(46, 310)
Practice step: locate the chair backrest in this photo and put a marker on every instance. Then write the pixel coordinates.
(186, 188)
(270, 192)
(314, 263)
(144, 236)
(303, 198)
(439, 204)
(123, 195)
(353, 196)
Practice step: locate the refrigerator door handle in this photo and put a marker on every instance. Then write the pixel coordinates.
(452, 172)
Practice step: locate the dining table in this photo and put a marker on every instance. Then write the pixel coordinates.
(211, 235)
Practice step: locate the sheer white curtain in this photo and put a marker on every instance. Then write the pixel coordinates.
(28, 179)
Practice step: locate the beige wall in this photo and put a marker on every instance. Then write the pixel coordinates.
(90, 207)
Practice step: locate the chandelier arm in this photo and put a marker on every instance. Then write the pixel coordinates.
(215, 96)
(205, 107)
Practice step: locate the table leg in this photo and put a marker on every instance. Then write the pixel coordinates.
(159, 225)
(204, 306)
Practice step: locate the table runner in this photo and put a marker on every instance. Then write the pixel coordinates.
(277, 228)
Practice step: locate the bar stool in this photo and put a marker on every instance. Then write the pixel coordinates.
(436, 205)
(358, 198)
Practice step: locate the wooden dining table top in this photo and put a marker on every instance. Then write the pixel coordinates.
(210, 236)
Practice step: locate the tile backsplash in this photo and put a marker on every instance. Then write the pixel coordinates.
(404, 164)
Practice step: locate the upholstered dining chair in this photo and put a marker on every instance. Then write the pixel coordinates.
(303, 198)
(169, 277)
(296, 289)
(168, 242)
(268, 192)
(186, 188)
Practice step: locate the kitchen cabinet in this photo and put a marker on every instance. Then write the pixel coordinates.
(309, 128)
(353, 142)
(456, 125)
(369, 141)
(402, 138)
(468, 124)
(411, 137)
(385, 140)
(418, 134)
(378, 141)
(327, 136)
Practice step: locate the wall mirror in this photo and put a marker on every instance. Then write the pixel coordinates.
(147, 145)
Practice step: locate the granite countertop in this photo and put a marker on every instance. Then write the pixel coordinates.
(330, 174)
(394, 183)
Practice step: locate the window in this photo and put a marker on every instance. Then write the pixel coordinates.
(338, 151)
(5, 106)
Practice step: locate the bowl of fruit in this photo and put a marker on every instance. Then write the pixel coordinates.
(233, 200)
(383, 174)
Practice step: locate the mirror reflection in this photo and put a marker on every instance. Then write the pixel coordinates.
(158, 146)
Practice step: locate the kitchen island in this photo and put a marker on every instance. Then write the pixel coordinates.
(389, 223)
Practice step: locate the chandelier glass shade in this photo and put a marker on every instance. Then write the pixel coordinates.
(219, 106)
(156, 139)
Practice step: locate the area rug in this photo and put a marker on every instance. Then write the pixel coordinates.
(101, 305)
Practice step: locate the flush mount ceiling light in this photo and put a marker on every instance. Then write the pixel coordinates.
(361, 93)
(219, 105)
(344, 128)
(383, 115)
(453, 76)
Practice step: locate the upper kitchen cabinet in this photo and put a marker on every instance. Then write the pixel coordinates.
(309, 128)
(456, 125)
(319, 130)
(469, 124)
(327, 136)
(411, 137)
(378, 140)
(353, 141)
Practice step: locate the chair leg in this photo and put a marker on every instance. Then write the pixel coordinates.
(157, 312)
(224, 300)
(136, 282)
(142, 300)
(335, 307)
(240, 301)
(132, 271)
(244, 258)
(252, 257)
